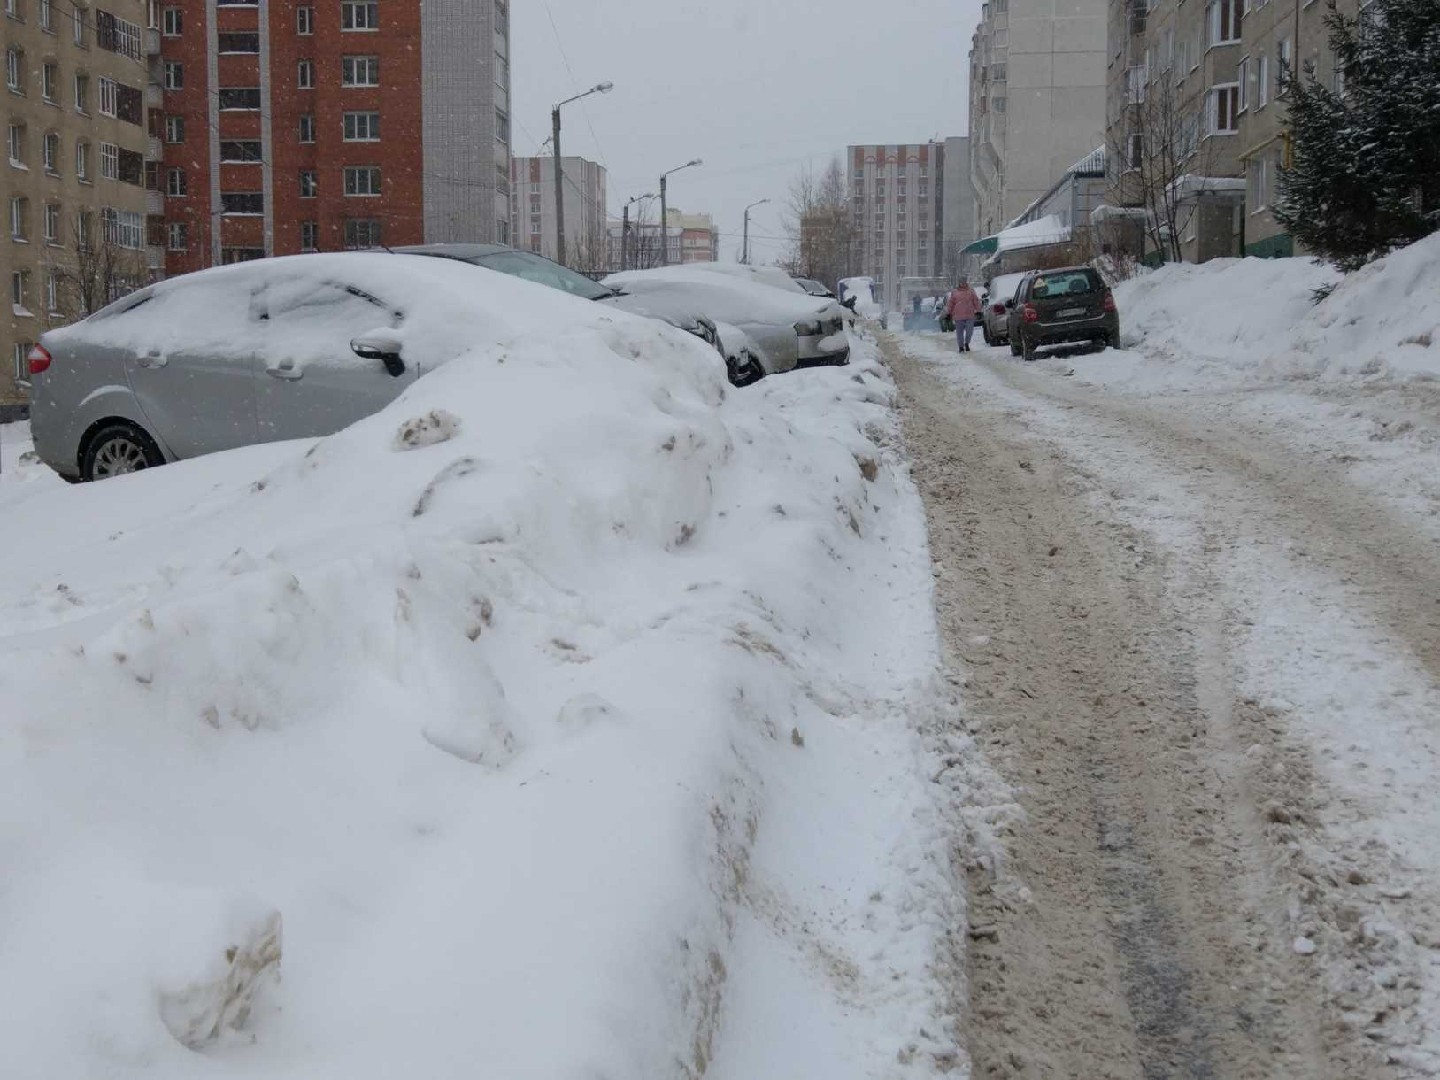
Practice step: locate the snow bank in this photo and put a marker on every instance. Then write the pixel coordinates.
(556, 721)
(1382, 321)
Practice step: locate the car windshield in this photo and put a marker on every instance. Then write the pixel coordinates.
(522, 264)
(1064, 283)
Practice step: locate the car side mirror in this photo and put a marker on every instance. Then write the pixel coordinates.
(382, 347)
(1009, 304)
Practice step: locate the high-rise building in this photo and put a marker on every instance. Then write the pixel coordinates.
(895, 203)
(532, 208)
(291, 126)
(75, 168)
(1037, 100)
(957, 208)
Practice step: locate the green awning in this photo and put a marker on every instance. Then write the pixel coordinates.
(986, 245)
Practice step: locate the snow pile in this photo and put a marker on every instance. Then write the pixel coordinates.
(556, 721)
(1382, 321)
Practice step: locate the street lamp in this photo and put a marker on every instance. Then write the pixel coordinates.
(599, 88)
(625, 227)
(745, 246)
(665, 212)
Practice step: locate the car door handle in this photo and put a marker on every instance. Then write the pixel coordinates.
(289, 374)
(152, 360)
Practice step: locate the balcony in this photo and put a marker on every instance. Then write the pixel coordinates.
(152, 42)
(154, 149)
(155, 257)
(155, 96)
(154, 202)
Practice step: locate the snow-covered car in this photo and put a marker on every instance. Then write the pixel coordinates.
(813, 287)
(265, 351)
(789, 330)
(756, 275)
(995, 315)
(742, 358)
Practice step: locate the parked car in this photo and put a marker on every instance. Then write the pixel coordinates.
(789, 330)
(995, 316)
(743, 363)
(1055, 307)
(259, 352)
(755, 275)
(814, 288)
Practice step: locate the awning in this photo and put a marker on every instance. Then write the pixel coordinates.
(986, 245)
(1046, 230)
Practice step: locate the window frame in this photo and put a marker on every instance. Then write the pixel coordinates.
(305, 74)
(374, 182)
(349, 7)
(174, 76)
(350, 126)
(172, 22)
(350, 68)
(305, 21)
(176, 184)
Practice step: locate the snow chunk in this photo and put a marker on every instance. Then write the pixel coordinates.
(435, 426)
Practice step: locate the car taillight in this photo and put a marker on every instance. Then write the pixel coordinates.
(997, 309)
(1031, 315)
(39, 359)
(1109, 302)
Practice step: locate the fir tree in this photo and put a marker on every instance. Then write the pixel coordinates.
(1364, 176)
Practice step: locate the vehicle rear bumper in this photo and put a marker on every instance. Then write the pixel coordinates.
(1107, 326)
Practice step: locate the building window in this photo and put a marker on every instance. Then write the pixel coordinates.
(1257, 194)
(50, 81)
(77, 23)
(309, 184)
(304, 21)
(47, 16)
(360, 71)
(123, 228)
(1221, 106)
(19, 217)
(177, 236)
(82, 161)
(175, 186)
(240, 151)
(1223, 19)
(362, 233)
(50, 153)
(82, 230)
(52, 224)
(1262, 89)
(174, 129)
(502, 17)
(21, 357)
(998, 104)
(229, 256)
(174, 75)
(242, 202)
(15, 71)
(359, 15)
(305, 75)
(15, 145)
(1282, 64)
(1243, 75)
(239, 98)
(362, 127)
(109, 161)
(307, 128)
(82, 94)
(172, 20)
(239, 42)
(309, 236)
(52, 292)
(362, 180)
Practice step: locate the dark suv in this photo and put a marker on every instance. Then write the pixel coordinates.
(1053, 307)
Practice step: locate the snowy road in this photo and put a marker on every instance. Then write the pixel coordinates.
(1199, 626)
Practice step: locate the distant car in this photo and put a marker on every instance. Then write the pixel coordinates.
(742, 359)
(259, 352)
(995, 324)
(813, 287)
(1056, 307)
(789, 330)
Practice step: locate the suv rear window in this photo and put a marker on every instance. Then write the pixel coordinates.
(1064, 283)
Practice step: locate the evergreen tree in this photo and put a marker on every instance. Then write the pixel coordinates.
(1364, 176)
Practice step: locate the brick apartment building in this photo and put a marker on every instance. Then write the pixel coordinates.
(320, 125)
(896, 200)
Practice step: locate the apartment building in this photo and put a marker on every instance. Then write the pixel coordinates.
(957, 207)
(1037, 100)
(896, 194)
(74, 175)
(689, 238)
(293, 126)
(1274, 35)
(532, 208)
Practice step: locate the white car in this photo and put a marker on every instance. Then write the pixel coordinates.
(757, 275)
(995, 315)
(789, 329)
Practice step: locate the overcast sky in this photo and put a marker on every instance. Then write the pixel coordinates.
(754, 87)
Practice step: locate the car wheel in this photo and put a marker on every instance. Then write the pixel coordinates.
(1014, 347)
(117, 449)
(1027, 348)
(985, 334)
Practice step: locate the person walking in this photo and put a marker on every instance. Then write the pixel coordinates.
(963, 306)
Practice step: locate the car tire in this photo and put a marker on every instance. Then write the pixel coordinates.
(1027, 348)
(117, 449)
(985, 334)
(1014, 347)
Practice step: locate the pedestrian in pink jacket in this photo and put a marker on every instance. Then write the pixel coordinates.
(963, 306)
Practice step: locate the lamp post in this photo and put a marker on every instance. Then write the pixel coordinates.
(599, 88)
(665, 212)
(625, 228)
(745, 244)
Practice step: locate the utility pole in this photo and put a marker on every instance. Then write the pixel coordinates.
(745, 246)
(665, 212)
(601, 88)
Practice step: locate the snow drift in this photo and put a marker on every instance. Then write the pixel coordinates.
(556, 721)
(1380, 322)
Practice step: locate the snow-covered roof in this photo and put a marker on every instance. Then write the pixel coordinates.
(1047, 230)
(1190, 186)
(1106, 212)
(1092, 164)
